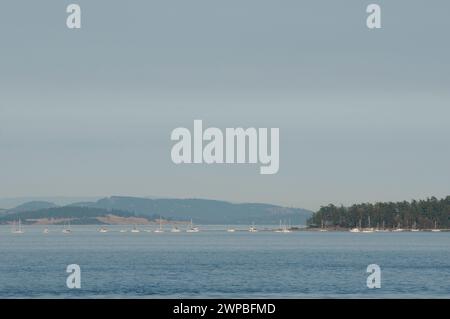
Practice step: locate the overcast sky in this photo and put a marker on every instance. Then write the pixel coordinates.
(364, 115)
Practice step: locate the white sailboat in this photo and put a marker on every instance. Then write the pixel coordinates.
(17, 229)
(46, 230)
(103, 230)
(283, 228)
(159, 230)
(368, 229)
(135, 229)
(398, 229)
(322, 228)
(192, 228)
(67, 229)
(356, 229)
(279, 229)
(435, 227)
(253, 229)
(382, 230)
(175, 229)
(231, 230)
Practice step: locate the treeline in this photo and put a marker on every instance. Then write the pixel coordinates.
(421, 214)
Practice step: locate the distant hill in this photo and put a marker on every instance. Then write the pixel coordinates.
(31, 206)
(120, 209)
(76, 215)
(11, 202)
(204, 211)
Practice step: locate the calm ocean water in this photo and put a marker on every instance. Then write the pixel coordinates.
(218, 264)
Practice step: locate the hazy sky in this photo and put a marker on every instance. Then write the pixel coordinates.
(364, 115)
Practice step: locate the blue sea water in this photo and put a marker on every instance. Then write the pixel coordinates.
(216, 264)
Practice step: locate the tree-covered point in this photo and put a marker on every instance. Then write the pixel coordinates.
(425, 214)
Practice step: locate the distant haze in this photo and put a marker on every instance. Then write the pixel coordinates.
(363, 114)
